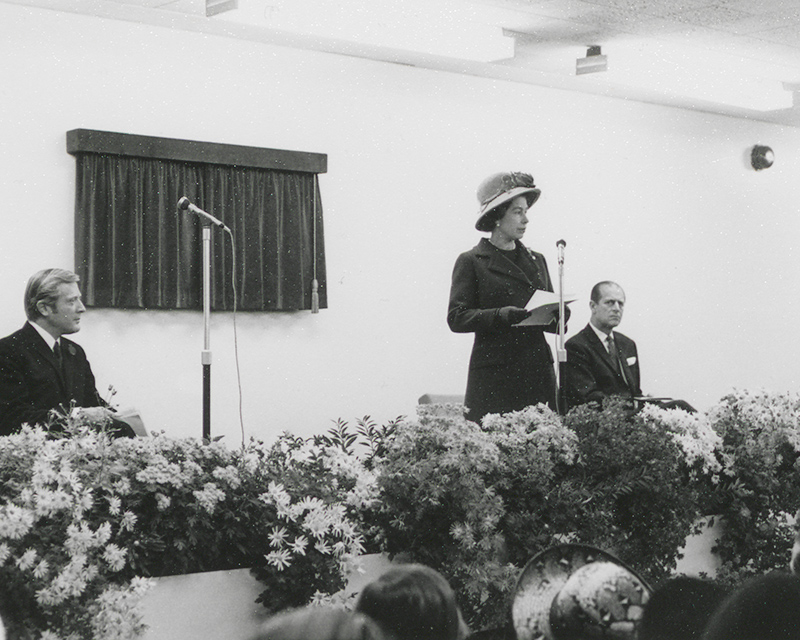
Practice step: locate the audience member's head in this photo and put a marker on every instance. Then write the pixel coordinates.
(679, 609)
(413, 602)
(319, 623)
(763, 608)
(497, 633)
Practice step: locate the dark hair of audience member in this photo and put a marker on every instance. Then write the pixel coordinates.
(413, 602)
(763, 608)
(679, 609)
(319, 623)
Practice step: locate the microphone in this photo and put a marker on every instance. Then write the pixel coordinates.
(561, 244)
(184, 204)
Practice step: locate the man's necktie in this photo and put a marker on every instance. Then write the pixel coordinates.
(612, 350)
(59, 355)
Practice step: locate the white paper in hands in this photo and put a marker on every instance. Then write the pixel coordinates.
(133, 419)
(543, 306)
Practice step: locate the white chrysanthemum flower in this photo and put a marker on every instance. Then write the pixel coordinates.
(277, 538)
(209, 497)
(692, 432)
(122, 486)
(47, 597)
(279, 559)
(15, 521)
(366, 490)
(323, 547)
(299, 545)
(140, 586)
(103, 533)
(276, 495)
(27, 497)
(49, 503)
(128, 521)
(310, 504)
(115, 557)
(114, 505)
(26, 560)
(42, 569)
(81, 539)
(229, 475)
(68, 477)
(317, 523)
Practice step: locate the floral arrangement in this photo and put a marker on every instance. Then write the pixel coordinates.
(87, 520)
(758, 491)
(61, 561)
(477, 501)
(324, 488)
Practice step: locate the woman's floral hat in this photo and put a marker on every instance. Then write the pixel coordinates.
(502, 187)
(576, 591)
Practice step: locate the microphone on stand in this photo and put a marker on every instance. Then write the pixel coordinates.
(184, 204)
(561, 244)
(561, 352)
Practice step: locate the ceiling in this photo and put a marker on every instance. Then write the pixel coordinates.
(734, 57)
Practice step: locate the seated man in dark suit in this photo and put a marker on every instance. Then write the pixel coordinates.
(40, 369)
(602, 362)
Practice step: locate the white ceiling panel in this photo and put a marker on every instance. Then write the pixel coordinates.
(726, 56)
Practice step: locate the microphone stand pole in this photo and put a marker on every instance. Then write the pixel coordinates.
(205, 356)
(561, 353)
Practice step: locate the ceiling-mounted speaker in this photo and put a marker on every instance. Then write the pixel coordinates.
(761, 157)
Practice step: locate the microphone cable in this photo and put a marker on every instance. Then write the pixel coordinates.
(236, 333)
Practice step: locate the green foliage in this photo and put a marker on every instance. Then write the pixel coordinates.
(85, 519)
(758, 491)
(630, 487)
(476, 502)
(321, 492)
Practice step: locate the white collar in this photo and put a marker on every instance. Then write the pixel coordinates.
(603, 336)
(50, 340)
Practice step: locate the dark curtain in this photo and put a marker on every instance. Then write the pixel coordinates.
(135, 249)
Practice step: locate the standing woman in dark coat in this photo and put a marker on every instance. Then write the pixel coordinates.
(510, 367)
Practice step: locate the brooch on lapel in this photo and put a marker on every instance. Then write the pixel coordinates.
(71, 349)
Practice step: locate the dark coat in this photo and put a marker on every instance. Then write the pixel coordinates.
(591, 374)
(32, 383)
(510, 367)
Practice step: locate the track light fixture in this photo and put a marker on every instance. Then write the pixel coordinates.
(594, 62)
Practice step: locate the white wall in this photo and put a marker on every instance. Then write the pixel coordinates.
(659, 199)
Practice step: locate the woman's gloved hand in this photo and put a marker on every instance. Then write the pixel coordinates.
(512, 315)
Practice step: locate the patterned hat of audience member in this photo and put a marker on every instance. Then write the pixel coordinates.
(574, 591)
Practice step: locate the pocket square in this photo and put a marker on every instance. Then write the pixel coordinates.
(631, 361)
